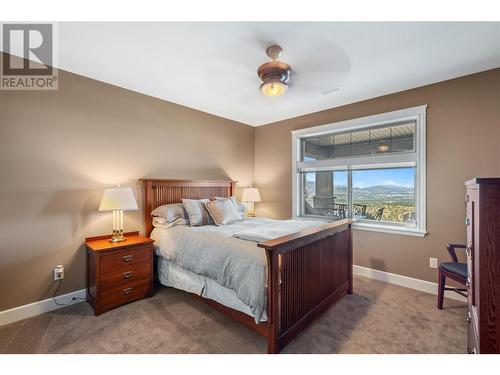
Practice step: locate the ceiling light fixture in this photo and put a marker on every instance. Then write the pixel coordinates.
(274, 74)
(277, 88)
(383, 147)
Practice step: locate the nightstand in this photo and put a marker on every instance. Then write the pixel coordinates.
(118, 273)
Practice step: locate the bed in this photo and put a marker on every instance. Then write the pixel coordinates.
(294, 277)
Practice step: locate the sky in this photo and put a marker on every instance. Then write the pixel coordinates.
(404, 177)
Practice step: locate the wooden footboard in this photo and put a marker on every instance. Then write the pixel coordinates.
(308, 272)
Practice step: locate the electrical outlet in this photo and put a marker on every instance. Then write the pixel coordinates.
(433, 262)
(58, 272)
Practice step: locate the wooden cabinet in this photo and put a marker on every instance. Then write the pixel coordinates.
(483, 264)
(118, 273)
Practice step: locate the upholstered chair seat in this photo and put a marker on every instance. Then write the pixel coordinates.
(459, 269)
(454, 270)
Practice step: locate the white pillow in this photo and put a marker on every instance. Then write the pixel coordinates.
(160, 222)
(170, 212)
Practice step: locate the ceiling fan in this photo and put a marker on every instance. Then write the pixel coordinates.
(310, 68)
(275, 74)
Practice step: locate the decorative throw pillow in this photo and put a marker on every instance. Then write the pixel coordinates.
(170, 212)
(223, 211)
(240, 208)
(196, 212)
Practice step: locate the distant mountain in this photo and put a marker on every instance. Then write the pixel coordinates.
(377, 189)
(372, 194)
(385, 189)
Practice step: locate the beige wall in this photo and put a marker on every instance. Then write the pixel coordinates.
(59, 150)
(463, 141)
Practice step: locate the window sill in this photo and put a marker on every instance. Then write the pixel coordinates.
(391, 229)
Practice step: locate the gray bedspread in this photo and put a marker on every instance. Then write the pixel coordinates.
(233, 263)
(215, 253)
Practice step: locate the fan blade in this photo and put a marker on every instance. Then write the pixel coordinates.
(228, 80)
(316, 54)
(320, 81)
(327, 92)
(315, 85)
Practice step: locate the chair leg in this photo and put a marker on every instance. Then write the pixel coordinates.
(441, 285)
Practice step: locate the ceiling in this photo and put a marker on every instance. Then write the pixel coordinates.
(212, 66)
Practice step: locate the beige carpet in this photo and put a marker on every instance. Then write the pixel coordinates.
(377, 318)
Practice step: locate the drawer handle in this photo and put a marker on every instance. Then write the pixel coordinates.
(127, 258)
(127, 291)
(127, 275)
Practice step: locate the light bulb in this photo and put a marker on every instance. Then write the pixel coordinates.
(273, 88)
(383, 147)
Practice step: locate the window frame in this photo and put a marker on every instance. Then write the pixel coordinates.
(415, 159)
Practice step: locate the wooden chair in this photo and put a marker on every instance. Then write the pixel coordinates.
(379, 213)
(455, 271)
(359, 210)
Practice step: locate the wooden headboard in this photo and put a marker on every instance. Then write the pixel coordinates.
(160, 192)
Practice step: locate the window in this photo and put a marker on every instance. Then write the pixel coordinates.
(375, 141)
(371, 169)
(325, 193)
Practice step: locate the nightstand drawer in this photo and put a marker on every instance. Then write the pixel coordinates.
(125, 257)
(127, 274)
(124, 294)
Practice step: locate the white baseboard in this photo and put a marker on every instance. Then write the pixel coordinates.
(37, 308)
(40, 307)
(407, 282)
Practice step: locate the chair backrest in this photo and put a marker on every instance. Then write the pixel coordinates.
(311, 210)
(451, 250)
(359, 209)
(378, 215)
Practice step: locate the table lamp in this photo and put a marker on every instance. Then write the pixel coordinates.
(118, 200)
(251, 195)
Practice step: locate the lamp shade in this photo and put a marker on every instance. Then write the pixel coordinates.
(250, 195)
(121, 198)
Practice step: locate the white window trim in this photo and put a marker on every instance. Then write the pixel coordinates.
(417, 114)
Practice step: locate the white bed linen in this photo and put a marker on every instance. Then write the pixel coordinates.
(274, 229)
(170, 274)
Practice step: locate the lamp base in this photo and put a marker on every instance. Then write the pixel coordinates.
(117, 236)
(116, 240)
